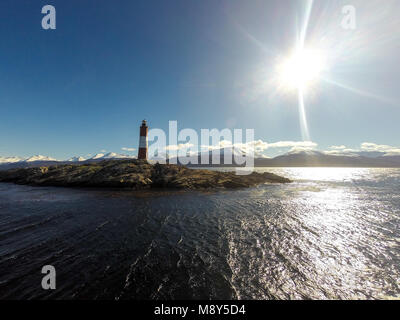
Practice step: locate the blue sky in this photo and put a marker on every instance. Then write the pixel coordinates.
(86, 86)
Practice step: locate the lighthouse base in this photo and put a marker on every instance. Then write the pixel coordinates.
(142, 154)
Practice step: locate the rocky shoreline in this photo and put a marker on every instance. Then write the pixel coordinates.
(135, 174)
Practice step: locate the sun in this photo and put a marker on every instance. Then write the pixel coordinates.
(301, 69)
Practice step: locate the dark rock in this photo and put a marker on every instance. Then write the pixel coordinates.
(136, 174)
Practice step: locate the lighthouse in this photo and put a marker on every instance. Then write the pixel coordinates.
(144, 129)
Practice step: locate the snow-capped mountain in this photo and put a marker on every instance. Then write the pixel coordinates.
(10, 159)
(313, 158)
(76, 159)
(39, 158)
(18, 162)
(304, 153)
(110, 155)
(101, 156)
(223, 153)
(298, 158)
(97, 156)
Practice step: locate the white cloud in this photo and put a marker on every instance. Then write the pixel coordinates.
(261, 145)
(365, 148)
(128, 149)
(342, 147)
(174, 147)
(293, 144)
(258, 147)
(341, 150)
(219, 145)
(373, 147)
(301, 148)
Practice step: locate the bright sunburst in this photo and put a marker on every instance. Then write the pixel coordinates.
(301, 69)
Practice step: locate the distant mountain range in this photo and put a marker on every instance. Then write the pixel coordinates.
(39, 160)
(314, 159)
(291, 159)
(321, 159)
(30, 159)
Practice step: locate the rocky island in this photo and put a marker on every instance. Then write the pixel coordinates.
(135, 174)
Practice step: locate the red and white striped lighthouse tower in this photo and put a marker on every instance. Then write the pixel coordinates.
(144, 129)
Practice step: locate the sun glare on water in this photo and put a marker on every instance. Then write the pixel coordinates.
(301, 69)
